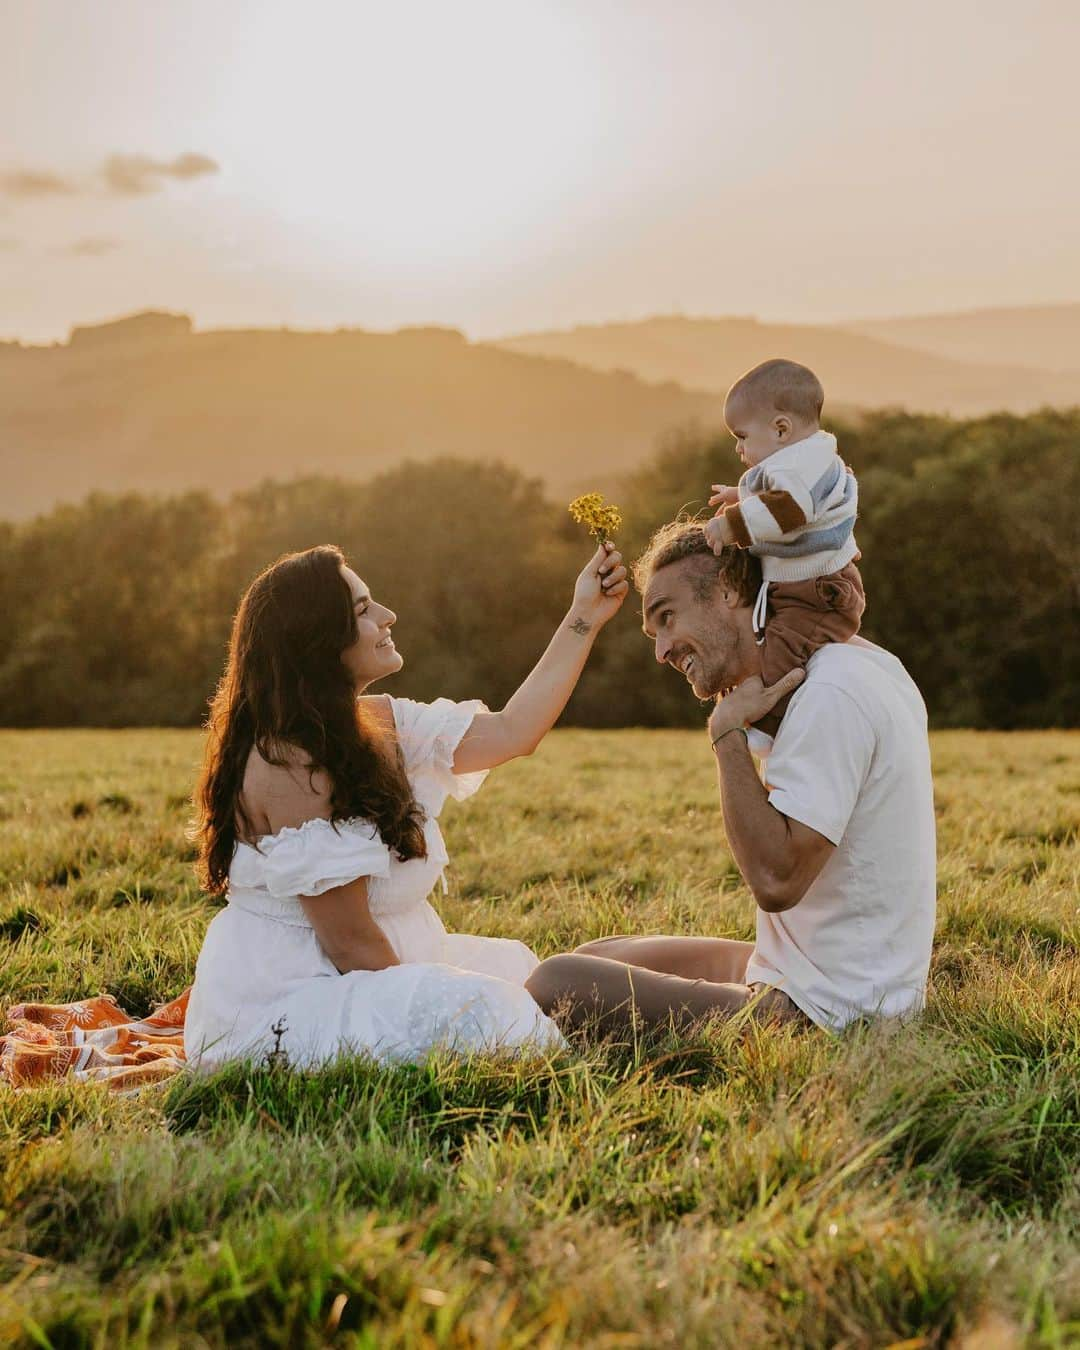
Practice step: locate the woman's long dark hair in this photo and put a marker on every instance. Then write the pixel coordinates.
(285, 688)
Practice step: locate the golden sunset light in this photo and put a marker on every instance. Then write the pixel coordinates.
(539, 674)
(505, 167)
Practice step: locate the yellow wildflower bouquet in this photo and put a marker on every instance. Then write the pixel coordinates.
(601, 521)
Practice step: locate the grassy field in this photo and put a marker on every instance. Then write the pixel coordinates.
(911, 1187)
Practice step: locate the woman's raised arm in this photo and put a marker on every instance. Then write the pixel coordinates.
(493, 738)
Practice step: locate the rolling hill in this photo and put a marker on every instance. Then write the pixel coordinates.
(857, 370)
(148, 404)
(1045, 337)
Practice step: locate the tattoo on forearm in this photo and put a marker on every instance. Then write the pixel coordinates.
(580, 627)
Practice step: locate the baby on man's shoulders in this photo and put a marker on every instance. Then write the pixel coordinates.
(794, 508)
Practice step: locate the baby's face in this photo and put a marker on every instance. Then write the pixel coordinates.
(755, 432)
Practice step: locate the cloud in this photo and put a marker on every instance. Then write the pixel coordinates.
(92, 247)
(36, 183)
(120, 175)
(138, 175)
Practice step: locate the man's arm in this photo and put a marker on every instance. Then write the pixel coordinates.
(778, 857)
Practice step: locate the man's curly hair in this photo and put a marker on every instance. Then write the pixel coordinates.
(685, 538)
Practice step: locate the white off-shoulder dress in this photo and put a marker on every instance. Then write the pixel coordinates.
(261, 960)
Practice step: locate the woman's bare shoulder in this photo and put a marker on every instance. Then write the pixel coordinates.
(284, 791)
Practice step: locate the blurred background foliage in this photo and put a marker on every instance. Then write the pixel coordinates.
(116, 612)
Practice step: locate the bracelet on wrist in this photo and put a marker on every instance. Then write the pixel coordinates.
(716, 741)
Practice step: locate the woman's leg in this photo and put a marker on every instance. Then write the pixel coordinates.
(507, 958)
(719, 960)
(584, 990)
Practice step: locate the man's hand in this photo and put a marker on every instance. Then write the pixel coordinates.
(718, 532)
(723, 496)
(750, 701)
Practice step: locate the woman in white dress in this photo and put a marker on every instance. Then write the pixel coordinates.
(318, 820)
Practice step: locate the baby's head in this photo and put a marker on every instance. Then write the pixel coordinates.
(771, 406)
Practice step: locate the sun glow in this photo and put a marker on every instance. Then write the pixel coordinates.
(416, 142)
(501, 165)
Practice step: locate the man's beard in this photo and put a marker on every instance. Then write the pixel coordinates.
(718, 689)
(721, 671)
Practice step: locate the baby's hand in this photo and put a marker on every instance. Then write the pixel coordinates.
(723, 496)
(718, 533)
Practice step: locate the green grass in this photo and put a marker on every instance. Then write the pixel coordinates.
(742, 1187)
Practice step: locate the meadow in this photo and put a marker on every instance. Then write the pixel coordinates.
(747, 1187)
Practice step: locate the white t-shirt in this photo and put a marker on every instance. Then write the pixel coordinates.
(852, 761)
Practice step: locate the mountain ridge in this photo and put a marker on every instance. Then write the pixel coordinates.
(857, 369)
(1045, 337)
(149, 403)
(224, 409)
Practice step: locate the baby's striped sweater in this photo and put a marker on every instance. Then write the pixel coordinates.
(796, 511)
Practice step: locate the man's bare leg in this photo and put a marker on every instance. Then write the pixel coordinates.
(586, 990)
(719, 960)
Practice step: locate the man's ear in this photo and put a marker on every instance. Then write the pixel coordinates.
(731, 598)
(781, 425)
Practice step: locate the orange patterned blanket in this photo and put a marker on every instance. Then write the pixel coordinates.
(92, 1041)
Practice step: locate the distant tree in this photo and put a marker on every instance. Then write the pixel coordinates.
(117, 611)
(479, 565)
(106, 612)
(972, 569)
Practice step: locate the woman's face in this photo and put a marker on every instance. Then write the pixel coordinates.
(373, 654)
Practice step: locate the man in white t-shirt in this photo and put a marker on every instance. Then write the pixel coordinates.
(835, 838)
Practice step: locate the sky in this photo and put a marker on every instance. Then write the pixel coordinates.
(503, 166)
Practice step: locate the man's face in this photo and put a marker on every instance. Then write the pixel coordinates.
(702, 638)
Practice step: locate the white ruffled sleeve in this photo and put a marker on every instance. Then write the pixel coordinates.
(429, 734)
(322, 854)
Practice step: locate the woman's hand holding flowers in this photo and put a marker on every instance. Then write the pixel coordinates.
(601, 588)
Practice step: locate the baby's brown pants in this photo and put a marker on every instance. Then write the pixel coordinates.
(803, 616)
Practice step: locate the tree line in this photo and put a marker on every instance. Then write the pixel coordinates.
(116, 611)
